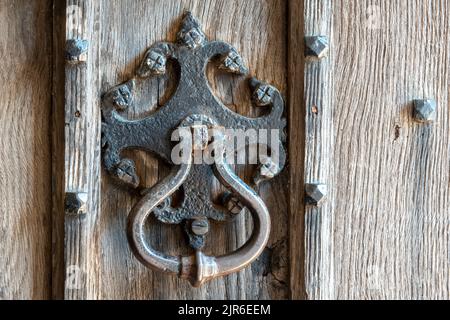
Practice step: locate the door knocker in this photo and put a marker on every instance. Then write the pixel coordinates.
(195, 109)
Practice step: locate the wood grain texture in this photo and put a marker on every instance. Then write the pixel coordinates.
(25, 150)
(318, 154)
(383, 232)
(82, 152)
(296, 137)
(58, 152)
(389, 176)
(391, 198)
(128, 28)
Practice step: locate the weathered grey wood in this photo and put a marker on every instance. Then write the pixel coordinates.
(254, 28)
(391, 198)
(82, 152)
(318, 134)
(384, 232)
(388, 176)
(25, 150)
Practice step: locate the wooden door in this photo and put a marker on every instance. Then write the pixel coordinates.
(96, 246)
(383, 231)
(25, 150)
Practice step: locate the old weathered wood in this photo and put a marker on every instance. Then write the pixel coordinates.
(318, 154)
(108, 269)
(296, 150)
(25, 150)
(383, 232)
(82, 152)
(391, 200)
(58, 130)
(254, 28)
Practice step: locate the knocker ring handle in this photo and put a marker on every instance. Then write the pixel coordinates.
(199, 268)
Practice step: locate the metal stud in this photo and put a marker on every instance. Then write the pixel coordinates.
(316, 193)
(262, 92)
(266, 171)
(120, 97)
(75, 203)
(154, 63)
(76, 50)
(191, 34)
(235, 206)
(125, 172)
(233, 62)
(425, 110)
(316, 46)
(232, 203)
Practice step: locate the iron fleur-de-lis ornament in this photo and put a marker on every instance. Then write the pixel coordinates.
(195, 108)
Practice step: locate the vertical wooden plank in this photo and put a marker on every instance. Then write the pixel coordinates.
(58, 154)
(388, 206)
(296, 149)
(82, 152)
(392, 195)
(254, 28)
(318, 154)
(25, 199)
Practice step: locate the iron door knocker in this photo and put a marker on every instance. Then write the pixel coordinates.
(195, 109)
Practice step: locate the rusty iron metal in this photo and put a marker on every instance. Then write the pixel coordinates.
(193, 106)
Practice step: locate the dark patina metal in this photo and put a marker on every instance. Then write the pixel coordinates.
(316, 193)
(425, 110)
(192, 103)
(316, 46)
(76, 50)
(75, 203)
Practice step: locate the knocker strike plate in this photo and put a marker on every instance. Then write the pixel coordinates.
(201, 121)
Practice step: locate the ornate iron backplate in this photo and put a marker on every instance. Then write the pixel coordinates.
(193, 106)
